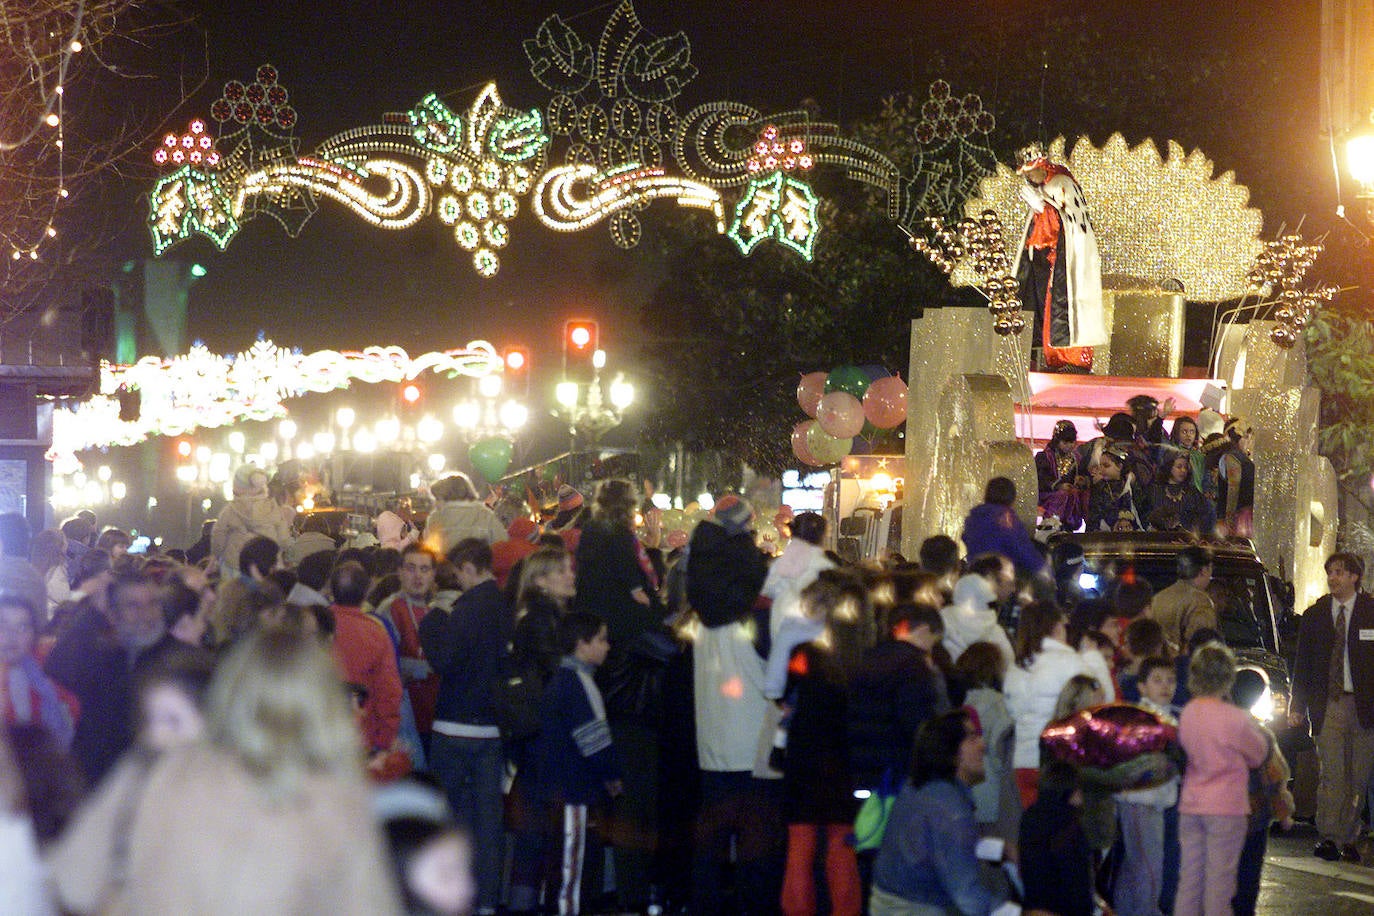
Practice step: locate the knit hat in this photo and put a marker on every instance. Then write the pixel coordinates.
(733, 513)
(1119, 427)
(568, 498)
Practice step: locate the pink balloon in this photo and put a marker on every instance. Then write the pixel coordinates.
(676, 539)
(799, 446)
(809, 392)
(885, 402)
(840, 414)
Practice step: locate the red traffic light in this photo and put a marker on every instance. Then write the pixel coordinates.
(410, 393)
(517, 359)
(580, 335)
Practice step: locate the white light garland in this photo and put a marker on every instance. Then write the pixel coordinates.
(202, 389)
(561, 206)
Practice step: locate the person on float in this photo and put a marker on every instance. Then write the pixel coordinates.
(1112, 501)
(1236, 479)
(1063, 488)
(1173, 489)
(1057, 265)
(1185, 436)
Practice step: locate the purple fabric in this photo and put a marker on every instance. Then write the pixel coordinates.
(990, 528)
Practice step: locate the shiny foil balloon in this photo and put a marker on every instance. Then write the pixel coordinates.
(1108, 735)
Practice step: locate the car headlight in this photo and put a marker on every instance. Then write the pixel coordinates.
(1263, 708)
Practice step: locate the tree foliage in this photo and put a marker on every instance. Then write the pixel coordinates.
(64, 66)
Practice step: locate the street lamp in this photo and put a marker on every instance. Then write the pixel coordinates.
(586, 410)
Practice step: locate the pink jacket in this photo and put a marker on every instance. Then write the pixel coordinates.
(1223, 744)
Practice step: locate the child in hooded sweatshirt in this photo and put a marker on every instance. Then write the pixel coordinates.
(251, 513)
(578, 767)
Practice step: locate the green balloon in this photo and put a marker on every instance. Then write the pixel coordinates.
(847, 378)
(824, 447)
(490, 457)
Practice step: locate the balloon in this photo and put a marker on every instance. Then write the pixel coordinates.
(840, 414)
(490, 457)
(676, 539)
(809, 391)
(885, 402)
(674, 518)
(874, 372)
(799, 446)
(825, 448)
(847, 378)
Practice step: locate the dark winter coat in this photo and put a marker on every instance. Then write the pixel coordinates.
(817, 788)
(608, 571)
(467, 648)
(893, 691)
(724, 574)
(1056, 860)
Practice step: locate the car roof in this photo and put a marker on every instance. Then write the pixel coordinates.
(1153, 545)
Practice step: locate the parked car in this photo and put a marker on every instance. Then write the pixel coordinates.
(1248, 620)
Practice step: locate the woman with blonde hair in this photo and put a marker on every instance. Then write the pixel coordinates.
(270, 813)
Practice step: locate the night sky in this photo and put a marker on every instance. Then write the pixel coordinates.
(342, 284)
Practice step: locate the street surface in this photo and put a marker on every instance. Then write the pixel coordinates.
(1297, 883)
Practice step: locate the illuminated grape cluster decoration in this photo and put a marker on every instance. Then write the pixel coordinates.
(613, 98)
(261, 103)
(1279, 271)
(480, 166)
(981, 243)
(194, 147)
(945, 116)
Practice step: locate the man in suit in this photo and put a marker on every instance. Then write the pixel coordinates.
(1333, 687)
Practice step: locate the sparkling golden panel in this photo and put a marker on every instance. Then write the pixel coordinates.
(959, 428)
(1146, 334)
(1155, 218)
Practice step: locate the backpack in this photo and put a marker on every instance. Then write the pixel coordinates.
(518, 697)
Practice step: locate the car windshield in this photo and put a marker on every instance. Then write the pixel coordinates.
(1238, 591)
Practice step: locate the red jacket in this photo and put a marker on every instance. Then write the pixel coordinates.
(423, 689)
(363, 652)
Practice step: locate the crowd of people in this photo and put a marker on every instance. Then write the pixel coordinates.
(1136, 476)
(493, 712)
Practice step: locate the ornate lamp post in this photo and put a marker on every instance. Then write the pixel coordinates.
(595, 409)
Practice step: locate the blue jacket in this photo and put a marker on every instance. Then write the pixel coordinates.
(466, 648)
(991, 528)
(928, 852)
(574, 751)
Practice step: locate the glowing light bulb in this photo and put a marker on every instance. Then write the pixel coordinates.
(52, 119)
(76, 46)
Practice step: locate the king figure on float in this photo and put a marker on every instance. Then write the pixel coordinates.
(1057, 265)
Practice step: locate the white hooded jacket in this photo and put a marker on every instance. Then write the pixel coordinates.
(970, 618)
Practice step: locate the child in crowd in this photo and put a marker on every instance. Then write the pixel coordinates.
(1223, 744)
(1056, 858)
(171, 699)
(1141, 813)
(1270, 799)
(433, 860)
(1144, 639)
(578, 766)
(998, 805)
